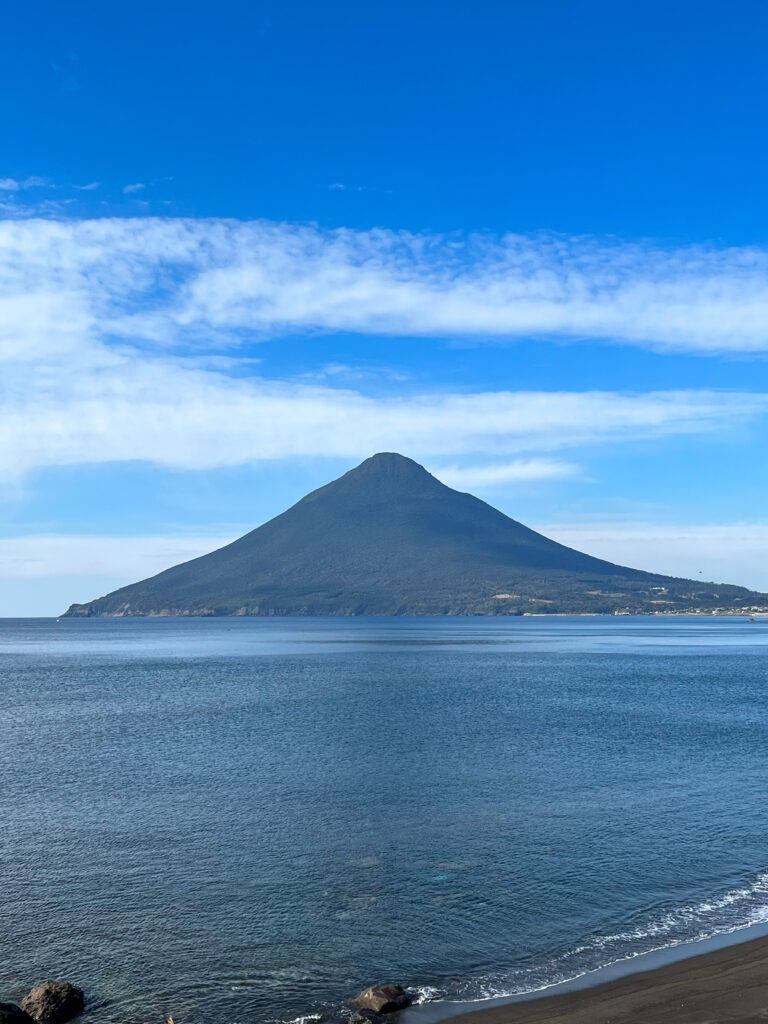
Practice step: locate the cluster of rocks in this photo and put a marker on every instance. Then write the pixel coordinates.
(56, 1002)
(53, 1002)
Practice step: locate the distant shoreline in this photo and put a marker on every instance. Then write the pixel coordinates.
(431, 615)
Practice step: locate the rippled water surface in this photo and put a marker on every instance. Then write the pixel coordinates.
(246, 820)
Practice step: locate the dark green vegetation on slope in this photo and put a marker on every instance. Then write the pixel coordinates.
(387, 538)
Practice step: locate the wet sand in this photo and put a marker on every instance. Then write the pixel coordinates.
(726, 985)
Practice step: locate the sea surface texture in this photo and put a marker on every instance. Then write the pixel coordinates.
(248, 820)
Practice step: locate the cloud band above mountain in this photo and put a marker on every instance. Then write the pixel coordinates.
(107, 329)
(160, 412)
(162, 281)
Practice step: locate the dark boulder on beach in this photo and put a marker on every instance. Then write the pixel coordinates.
(383, 999)
(10, 1013)
(53, 1002)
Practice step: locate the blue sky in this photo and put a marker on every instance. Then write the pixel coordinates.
(243, 248)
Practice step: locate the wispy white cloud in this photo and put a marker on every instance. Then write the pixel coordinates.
(90, 187)
(267, 277)
(14, 185)
(112, 407)
(339, 186)
(349, 374)
(230, 277)
(107, 329)
(505, 473)
(139, 186)
(723, 552)
(21, 200)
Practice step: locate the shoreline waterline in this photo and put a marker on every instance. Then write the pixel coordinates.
(649, 962)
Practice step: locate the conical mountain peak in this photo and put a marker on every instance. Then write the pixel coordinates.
(387, 471)
(388, 538)
(390, 464)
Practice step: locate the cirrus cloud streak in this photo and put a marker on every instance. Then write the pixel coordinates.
(504, 473)
(161, 412)
(166, 281)
(111, 338)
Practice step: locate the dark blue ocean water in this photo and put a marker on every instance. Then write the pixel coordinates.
(246, 820)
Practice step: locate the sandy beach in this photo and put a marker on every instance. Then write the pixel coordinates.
(722, 986)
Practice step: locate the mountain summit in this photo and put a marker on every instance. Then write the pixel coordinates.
(387, 538)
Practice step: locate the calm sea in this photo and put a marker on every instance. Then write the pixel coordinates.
(247, 820)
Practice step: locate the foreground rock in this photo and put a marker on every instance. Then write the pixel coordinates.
(383, 999)
(366, 1017)
(10, 1013)
(53, 1002)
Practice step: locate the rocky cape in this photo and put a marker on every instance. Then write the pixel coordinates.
(388, 538)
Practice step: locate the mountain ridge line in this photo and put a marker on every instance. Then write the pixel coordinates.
(388, 538)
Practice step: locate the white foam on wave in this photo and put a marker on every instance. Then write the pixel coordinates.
(424, 994)
(732, 911)
(690, 914)
(688, 923)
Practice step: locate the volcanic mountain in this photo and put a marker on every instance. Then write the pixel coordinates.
(387, 538)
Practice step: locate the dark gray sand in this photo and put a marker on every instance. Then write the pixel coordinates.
(722, 986)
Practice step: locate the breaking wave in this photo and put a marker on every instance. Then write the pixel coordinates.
(731, 911)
